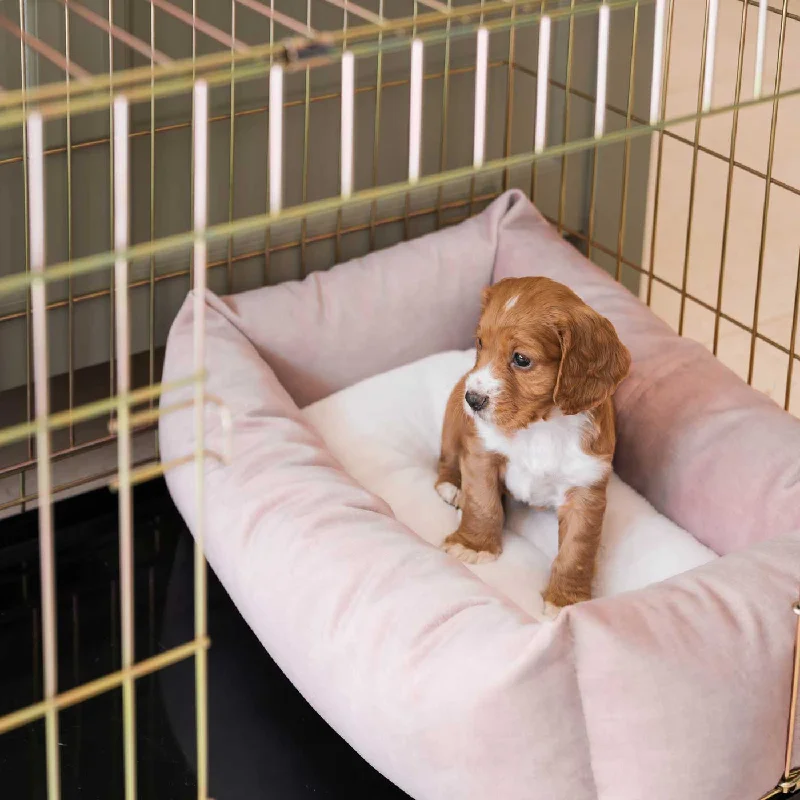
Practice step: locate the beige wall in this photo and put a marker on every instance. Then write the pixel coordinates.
(744, 227)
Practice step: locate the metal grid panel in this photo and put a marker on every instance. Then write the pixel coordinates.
(223, 68)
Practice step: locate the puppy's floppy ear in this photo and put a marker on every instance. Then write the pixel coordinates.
(593, 361)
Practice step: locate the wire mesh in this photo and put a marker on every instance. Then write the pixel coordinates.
(190, 99)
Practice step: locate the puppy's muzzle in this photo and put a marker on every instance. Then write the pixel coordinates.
(476, 401)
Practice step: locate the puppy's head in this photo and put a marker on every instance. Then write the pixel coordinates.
(540, 347)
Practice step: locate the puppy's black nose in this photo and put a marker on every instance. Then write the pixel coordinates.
(476, 401)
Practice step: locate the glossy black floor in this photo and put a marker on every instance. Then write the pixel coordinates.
(265, 740)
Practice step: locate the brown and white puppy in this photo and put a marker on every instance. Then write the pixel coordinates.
(534, 417)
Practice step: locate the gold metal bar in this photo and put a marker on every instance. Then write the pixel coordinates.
(784, 788)
(276, 16)
(73, 416)
(143, 419)
(689, 296)
(376, 127)
(88, 690)
(253, 67)
(115, 716)
(76, 678)
(149, 470)
(151, 694)
(767, 187)
(88, 264)
(729, 184)
(182, 273)
(592, 202)
(151, 415)
(124, 449)
(199, 24)
(562, 192)
(181, 241)
(74, 484)
(660, 151)
(44, 50)
(36, 195)
(793, 337)
(787, 770)
(173, 71)
(693, 176)
(626, 165)
(428, 76)
(200, 221)
(120, 34)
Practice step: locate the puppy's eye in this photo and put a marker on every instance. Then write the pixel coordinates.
(521, 361)
(478, 343)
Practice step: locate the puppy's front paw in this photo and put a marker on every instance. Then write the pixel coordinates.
(449, 493)
(550, 611)
(468, 555)
(556, 596)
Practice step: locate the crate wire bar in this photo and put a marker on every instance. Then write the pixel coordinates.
(222, 60)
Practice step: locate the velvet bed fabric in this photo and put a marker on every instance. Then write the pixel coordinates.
(675, 690)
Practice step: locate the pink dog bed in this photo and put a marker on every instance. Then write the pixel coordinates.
(678, 689)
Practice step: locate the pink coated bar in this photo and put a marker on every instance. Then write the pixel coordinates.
(761, 49)
(358, 11)
(540, 127)
(201, 25)
(658, 62)
(415, 111)
(710, 57)
(44, 476)
(348, 116)
(603, 26)
(276, 16)
(200, 252)
(116, 32)
(53, 56)
(481, 76)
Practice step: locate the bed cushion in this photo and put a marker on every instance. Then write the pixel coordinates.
(689, 429)
(385, 433)
(677, 689)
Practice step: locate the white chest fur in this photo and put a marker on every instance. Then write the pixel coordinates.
(546, 459)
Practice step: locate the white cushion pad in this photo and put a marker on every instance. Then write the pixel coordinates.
(386, 430)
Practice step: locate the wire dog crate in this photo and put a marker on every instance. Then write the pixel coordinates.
(147, 148)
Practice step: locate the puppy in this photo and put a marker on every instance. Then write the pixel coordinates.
(534, 418)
